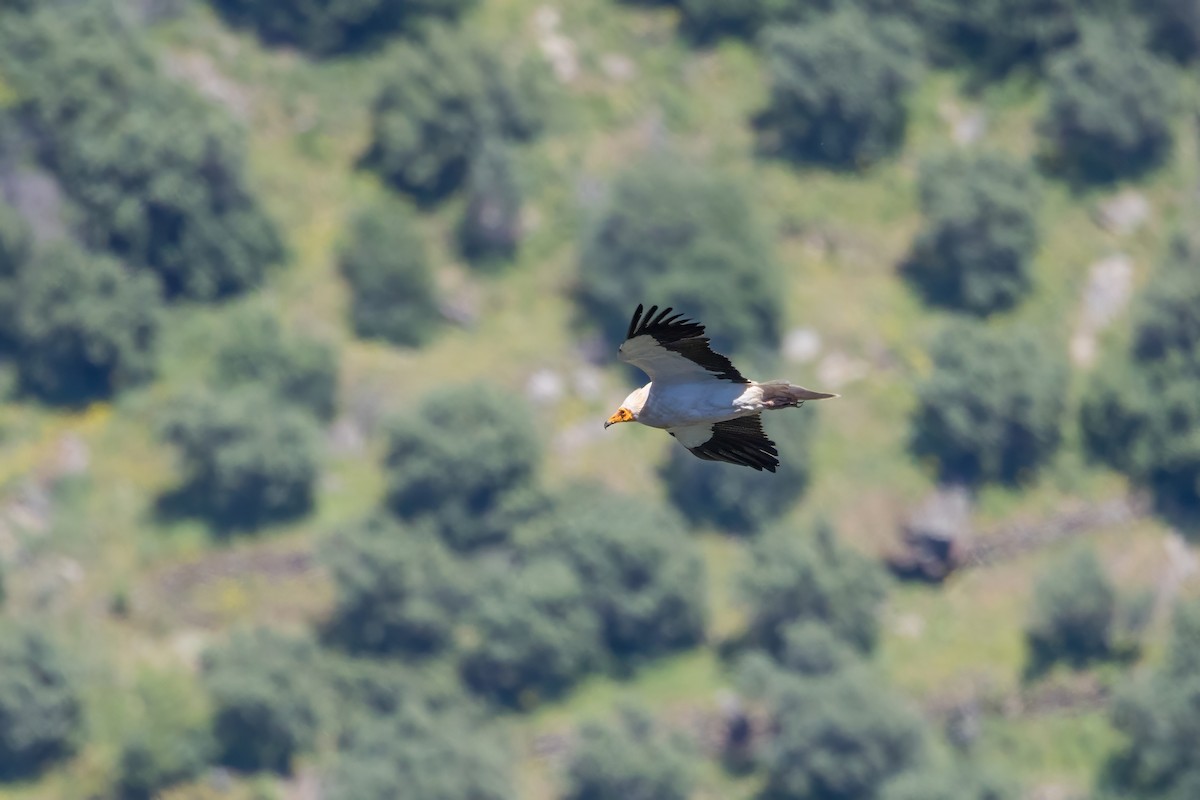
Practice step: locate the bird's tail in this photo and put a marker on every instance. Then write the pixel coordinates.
(781, 394)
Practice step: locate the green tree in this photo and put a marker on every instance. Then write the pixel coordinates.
(171, 744)
(15, 251)
(677, 235)
(465, 461)
(490, 227)
(1074, 607)
(810, 578)
(628, 760)
(1141, 408)
(839, 88)
(980, 233)
(246, 460)
(995, 36)
(534, 635)
(1109, 109)
(157, 175)
(958, 783)
(419, 754)
(391, 281)
(335, 26)
(1159, 720)
(1175, 27)
(265, 697)
(296, 370)
(396, 591)
(640, 570)
(85, 327)
(737, 499)
(444, 97)
(41, 712)
(837, 738)
(992, 408)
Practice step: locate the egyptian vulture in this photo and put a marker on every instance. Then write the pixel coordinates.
(697, 395)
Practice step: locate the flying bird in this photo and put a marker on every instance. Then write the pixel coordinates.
(697, 395)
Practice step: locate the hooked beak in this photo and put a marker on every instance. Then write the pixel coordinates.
(622, 415)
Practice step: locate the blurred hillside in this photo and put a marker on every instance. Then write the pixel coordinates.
(307, 322)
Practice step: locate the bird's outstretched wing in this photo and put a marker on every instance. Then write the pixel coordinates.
(738, 441)
(670, 348)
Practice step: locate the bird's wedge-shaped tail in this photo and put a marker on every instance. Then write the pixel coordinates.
(781, 394)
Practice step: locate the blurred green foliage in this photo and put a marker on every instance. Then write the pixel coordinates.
(15, 251)
(266, 699)
(420, 754)
(841, 737)
(628, 759)
(443, 98)
(955, 783)
(398, 592)
(975, 249)
(158, 176)
(534, 634)
(465, 461)
(992, 410)
(171, 744)
(245, 459)
(384, 259)
(1159, 718)
(298, 370)
(640, 571)
(85, 327)
(335, 26)
(1175, 27)
(1109, 109)
(489, 230)
(41, 711)
(1143, 407)
(676, 234)
(1073, 614)
(839, 88)
(809, 576)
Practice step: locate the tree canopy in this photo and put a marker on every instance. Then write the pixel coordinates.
(1074, 606)
(334, 26)
(628, 759)
(1159, 720)
(980, 233)
(157, 175)
(245, 460)
(837, 738)
(41, 710)
(1143, 402)
(265, 697)
(1109, 109)
(534, 634)
(640, 571)
(839, 87)
(444, 97)
(397, 591)
(992, 408)
(383, 258)
(298, 370)
(465, 461)
(85, 327)
(810, 577)
(674, 235)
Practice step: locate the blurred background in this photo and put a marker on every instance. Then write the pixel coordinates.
(308, 315)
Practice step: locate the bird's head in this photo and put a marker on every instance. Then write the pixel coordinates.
(628, 412)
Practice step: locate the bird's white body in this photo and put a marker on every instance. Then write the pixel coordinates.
(674, 404)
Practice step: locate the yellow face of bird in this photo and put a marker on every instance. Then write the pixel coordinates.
(623, 415)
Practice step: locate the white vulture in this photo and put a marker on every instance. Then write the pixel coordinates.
(697, 395)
